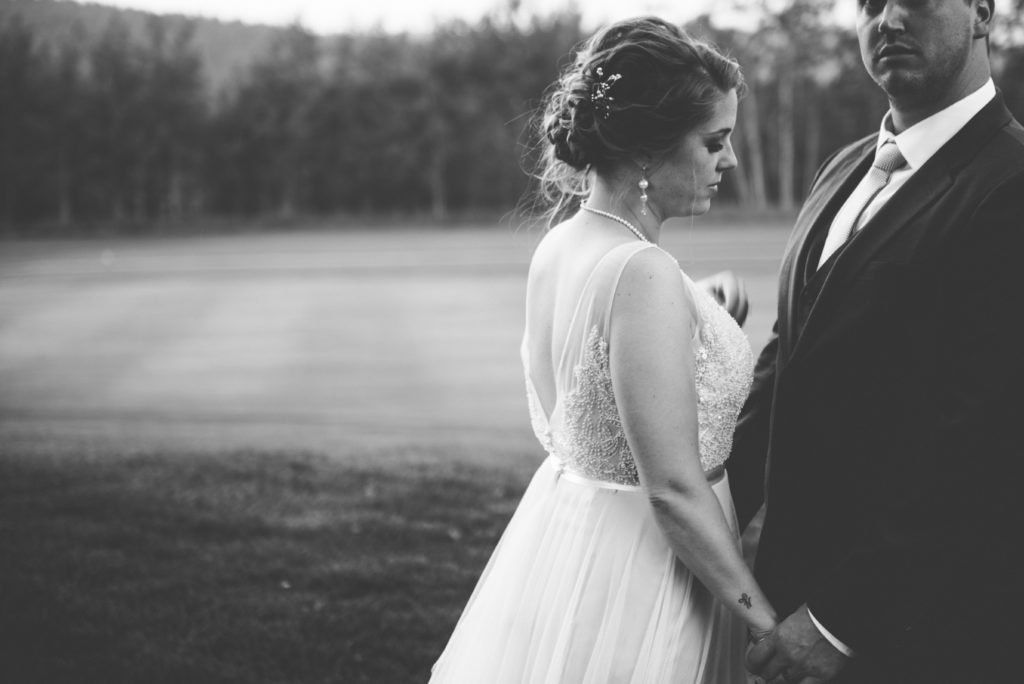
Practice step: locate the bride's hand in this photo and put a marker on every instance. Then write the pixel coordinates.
(795, 651)
(728, 289)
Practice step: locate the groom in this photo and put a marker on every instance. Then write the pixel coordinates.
(885, 428)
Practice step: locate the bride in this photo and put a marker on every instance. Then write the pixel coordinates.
(622, 563)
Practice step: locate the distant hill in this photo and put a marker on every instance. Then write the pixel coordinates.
(226, 48)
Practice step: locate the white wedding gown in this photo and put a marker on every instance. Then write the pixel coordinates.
(583, 587)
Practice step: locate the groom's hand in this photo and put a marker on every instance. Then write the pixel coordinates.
(795, 652)
(730, 292)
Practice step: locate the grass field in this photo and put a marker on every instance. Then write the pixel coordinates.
(268, 458)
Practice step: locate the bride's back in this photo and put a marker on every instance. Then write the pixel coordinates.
(562, 283)
(567, 358)
(565, 352)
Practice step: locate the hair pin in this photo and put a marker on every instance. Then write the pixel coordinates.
(599, 97)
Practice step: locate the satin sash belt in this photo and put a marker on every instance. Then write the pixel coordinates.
(561, 471)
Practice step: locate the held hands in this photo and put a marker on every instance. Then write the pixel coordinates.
(795, 652)
(730, 292)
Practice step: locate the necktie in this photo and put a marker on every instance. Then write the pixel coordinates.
(887, 160)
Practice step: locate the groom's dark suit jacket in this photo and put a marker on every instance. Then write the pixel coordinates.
(889, 409)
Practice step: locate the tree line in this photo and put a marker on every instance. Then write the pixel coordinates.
(123, 129)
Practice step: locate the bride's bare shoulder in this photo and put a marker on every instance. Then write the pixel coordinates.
(562, 246)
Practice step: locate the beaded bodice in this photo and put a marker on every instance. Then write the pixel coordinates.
(584, 430)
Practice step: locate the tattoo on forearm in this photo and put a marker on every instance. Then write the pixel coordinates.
(746, 602)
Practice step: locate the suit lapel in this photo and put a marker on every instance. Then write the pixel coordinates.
(924, 187)
(816, 215)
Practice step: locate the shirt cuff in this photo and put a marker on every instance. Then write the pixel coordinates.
(840, 646)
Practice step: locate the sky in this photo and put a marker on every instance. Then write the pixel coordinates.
(340, 16)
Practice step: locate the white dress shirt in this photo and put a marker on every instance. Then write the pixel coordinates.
(917, 144)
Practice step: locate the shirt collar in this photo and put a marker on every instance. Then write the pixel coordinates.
(918, 143)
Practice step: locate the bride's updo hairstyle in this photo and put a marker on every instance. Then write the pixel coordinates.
(633, 91)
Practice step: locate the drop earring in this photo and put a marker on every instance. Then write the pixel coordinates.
(643, 185)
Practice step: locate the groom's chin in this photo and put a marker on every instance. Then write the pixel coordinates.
(898, 83)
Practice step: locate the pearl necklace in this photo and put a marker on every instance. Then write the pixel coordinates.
(633, 229)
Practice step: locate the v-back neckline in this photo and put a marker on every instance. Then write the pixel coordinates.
(556, 367)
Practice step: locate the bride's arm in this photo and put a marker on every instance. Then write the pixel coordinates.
(652, 368)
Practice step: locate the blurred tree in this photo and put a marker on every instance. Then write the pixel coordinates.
(117, 140)
(175, 113)
(436, 124)
(448, 106)
(1007, 50)
(67, 122)
(20, 79)
(281, 91)
(493, 88)
(807, 62)
(260, 135)
(381, 84)
(140, 124)
(119, 123)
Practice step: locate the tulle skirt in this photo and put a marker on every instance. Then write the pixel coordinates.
(584, 589)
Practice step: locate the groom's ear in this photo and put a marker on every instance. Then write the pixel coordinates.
(983, 11)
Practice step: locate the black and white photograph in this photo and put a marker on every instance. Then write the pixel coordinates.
(511, 342)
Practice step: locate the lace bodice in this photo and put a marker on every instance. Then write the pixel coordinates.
(584, 430)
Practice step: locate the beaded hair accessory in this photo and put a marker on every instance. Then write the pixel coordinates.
(599, 97)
